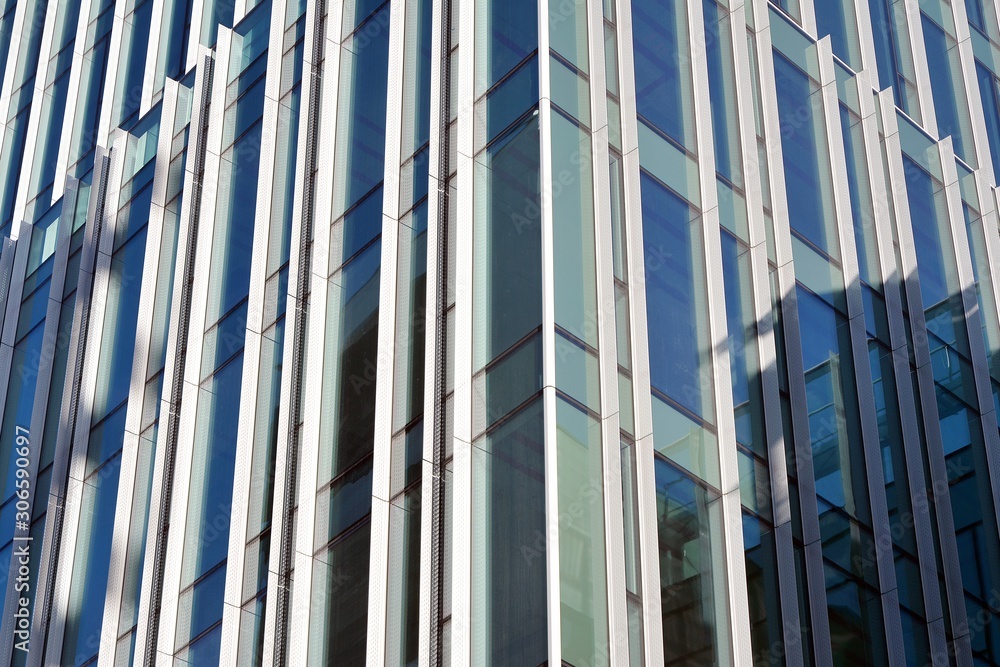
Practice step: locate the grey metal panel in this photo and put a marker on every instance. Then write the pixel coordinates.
(605, 324)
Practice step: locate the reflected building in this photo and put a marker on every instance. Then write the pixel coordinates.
(500, 332)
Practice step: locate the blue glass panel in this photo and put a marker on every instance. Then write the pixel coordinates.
(362, 223)
(206, 650)
(357, 321)
(422, 105)
(511, 99)
(513, 34)
(206, 601)
(118, 344)
(830, 21)
(800, 152)
(220, 414)
(943, 88)
(887, 47)
(974, 10)
(241, 210)
(762, 588)
(719, 84)
(135, 60)
(658, 62)
(989, 91)
(675, 299)
(859, 208)
(350, 498)
(944, 312)
(834, 422)
(343, 638)
(508, 281)
(364, 76)
(176, 28)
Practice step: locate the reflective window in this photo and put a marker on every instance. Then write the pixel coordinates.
(508, 256)
(695, 616)
(509, 624)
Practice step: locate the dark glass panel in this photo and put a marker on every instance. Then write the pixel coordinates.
(510, 622)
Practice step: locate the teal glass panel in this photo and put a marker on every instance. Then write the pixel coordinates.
(509, 625)
(507, 265)
(574, 260)
(582, 567)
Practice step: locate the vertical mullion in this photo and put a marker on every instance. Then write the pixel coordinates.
(386, 357)
(161, 495)
(862, 370)
(892, 284)
(967, 281)
(432, 488)
(47, 569)
(315, 223)
(108, 122)
(927, 394)
(928, 116)
(462, 496)
(766, 350)
(276, 644)
(549, 399)
(611, 482)
(152, 54)
(250, 388)
(652, 619)
(183, 450)
(732, 511)
(132, 441)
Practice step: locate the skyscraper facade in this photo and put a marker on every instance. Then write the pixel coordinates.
(500, 332)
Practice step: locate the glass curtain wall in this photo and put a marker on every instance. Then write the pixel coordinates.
(342, 534)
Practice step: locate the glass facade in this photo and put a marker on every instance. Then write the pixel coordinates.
(500, 332)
